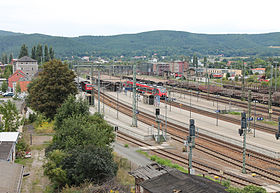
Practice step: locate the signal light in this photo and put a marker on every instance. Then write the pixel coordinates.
(192, 128)
(157, 111)
(277, 135)
(240, 131)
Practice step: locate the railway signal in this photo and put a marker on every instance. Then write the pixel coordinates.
(243, 132)
(190, 142)
(158, 122)
(277, 134)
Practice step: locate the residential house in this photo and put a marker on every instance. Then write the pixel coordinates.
(21, 77)
(258, 70)
(8, 141)
(27, 65)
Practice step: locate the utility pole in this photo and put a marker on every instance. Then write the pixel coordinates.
(134, 117)
(78, 73)
(243, 80)
(207, 76)
(277, 134)
(190, 143)
(243, 131)
(165, 117)
(99, 90)
(249, 110)
(170, 99)
(117, 104)
(255, 120)
(270, 93)
(217, 111)
(275, 77)
(190, 104)
(92, 93)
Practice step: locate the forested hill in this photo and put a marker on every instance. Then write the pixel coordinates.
(165, 43)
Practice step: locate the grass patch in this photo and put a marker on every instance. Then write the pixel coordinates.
(45, 127)
(126, 146)
(40, 147)
(24, 161)
(163, 161)
(273, 123)
(124, 166)
(234, 113)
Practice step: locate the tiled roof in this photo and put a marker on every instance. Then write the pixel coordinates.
(23, 85)
(26, 59)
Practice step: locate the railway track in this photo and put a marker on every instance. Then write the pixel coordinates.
(181, 160)
(204, 143)
(260, 108)
(221, 117)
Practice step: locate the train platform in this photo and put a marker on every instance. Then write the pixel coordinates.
(203, 104)
(262, 142)
(124, 123)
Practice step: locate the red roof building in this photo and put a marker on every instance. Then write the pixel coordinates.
(18, 76)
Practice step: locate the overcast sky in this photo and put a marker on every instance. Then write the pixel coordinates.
(110, 17)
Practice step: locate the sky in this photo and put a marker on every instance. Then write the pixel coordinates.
(71, 18)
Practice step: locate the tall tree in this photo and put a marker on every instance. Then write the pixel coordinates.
(11, 118)
(46, 54)
(4, 58)
(23, 51)
(10, 58)
(33, 53)
(4, 86)
(54, 84)
(39, 53)
(8, 71)
(51, 53)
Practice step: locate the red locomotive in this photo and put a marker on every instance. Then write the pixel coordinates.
(86, 86)
(157, 91)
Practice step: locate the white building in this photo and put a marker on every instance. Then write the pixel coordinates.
(27, 65)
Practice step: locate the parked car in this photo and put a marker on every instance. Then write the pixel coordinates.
(8, 94)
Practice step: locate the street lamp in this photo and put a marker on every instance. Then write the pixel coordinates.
(217, 111)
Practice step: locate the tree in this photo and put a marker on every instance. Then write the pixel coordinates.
(51, 53)
(33, 53)
(23, 51)
(70, 108)
(10, 116)
(11, 58)
(82, 130)
(39, 53)
(18, 89)
(54, 84)
(4, 59)
(52, 168)
(227, 75)
(46, 54)
(4, 86)
(8, 71)
(90, 163)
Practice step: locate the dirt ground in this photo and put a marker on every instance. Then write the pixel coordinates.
(36, 182)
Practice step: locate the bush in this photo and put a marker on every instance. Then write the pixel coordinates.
(22, 147)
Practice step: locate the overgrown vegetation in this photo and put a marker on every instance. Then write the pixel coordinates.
(80, 151)
(10, 117)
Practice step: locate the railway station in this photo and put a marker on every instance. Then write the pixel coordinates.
(178, 109)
